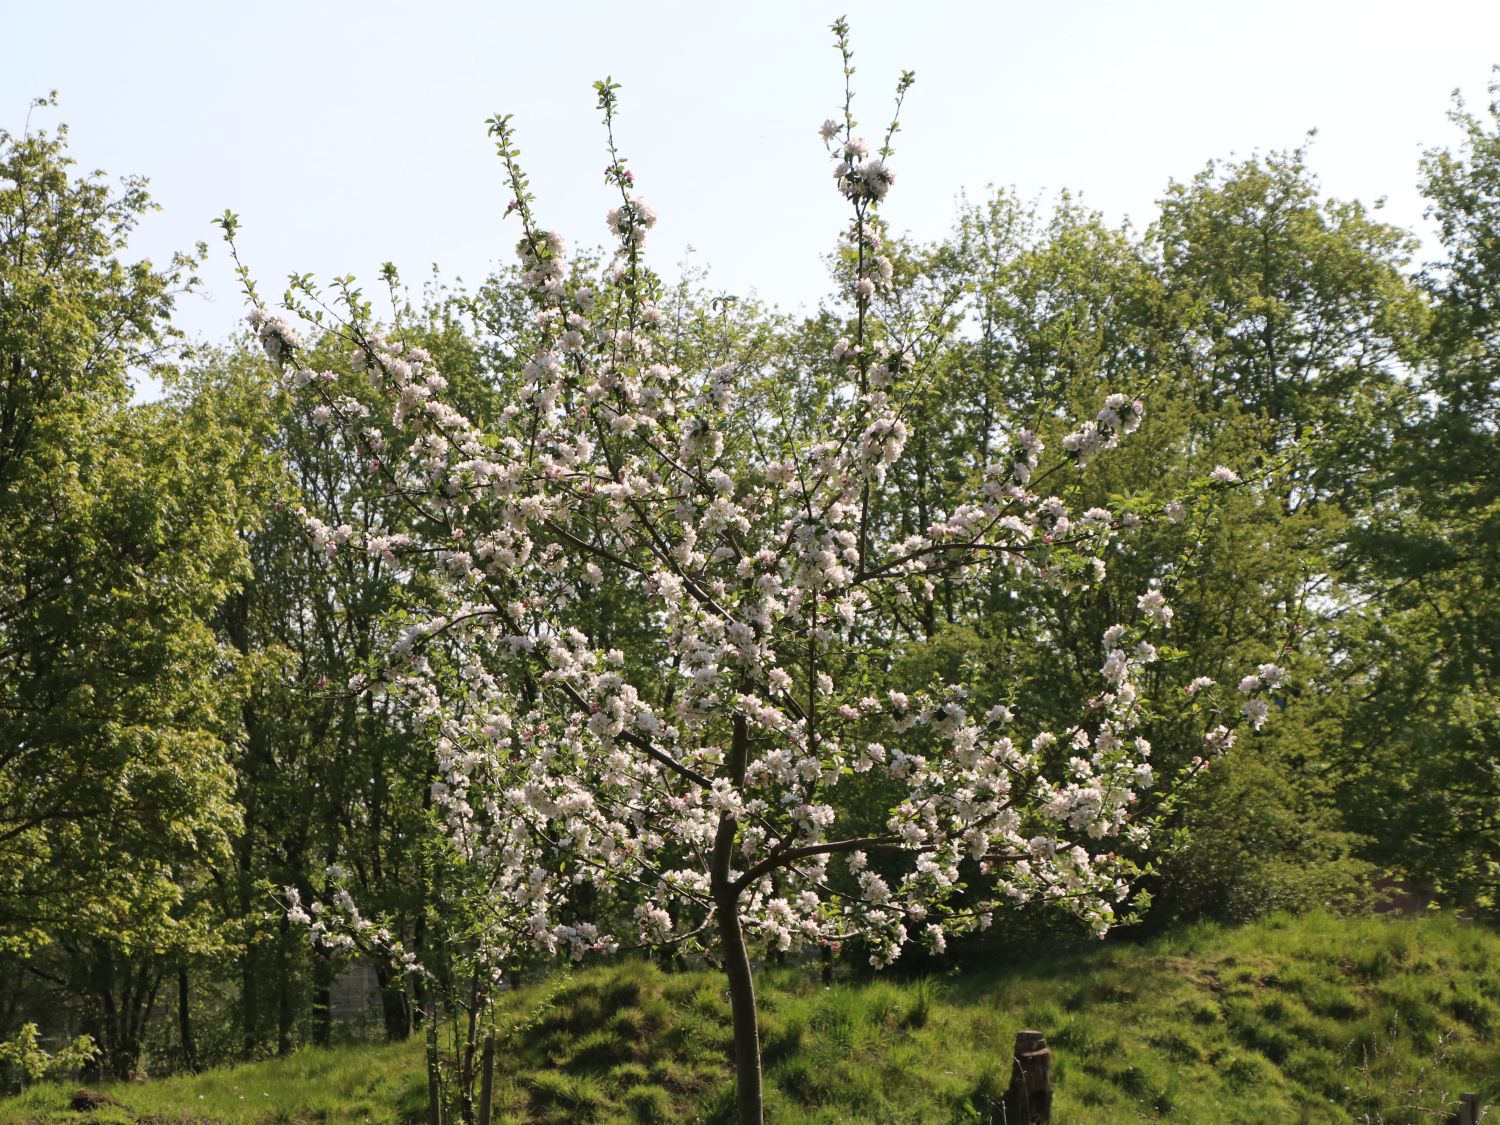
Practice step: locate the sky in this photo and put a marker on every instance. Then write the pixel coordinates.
(349, 134)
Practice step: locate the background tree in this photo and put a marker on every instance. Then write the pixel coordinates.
(1422, 731)
(117, 540)
(1270, 329)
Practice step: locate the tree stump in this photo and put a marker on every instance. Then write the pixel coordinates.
(1468, 1109)
(1029, 1098)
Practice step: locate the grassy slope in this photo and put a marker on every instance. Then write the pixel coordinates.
(1314, 1019)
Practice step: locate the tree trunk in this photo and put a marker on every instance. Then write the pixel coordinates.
(471, 1047)
(742, 1005)
(141, 1001)
(251, 955)
(732, 943)
(100, 989)
(184, 1020)
(285, 1011)
(487, 1080)
(122, 997)
(434, 1085)
(322, 1002)
(250, 966)
(395, 1007)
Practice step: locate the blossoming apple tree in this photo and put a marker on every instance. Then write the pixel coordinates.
(697, 782)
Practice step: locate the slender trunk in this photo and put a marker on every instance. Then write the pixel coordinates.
(249, 997)
(421, 994)
(419, 927)
(487, 1080)
(742, 1005)
(110, 989)
(143, 1003)
(732, 944)
(248, 772)
(924, 520)
(434, 1086)
(395, 1009)
(184, 1020)
(105, 1031)
(471, 1045)
(285, 1011)
(125, 996)
(322, 1003)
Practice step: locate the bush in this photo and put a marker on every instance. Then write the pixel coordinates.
(1258, 838)
(24, 1061)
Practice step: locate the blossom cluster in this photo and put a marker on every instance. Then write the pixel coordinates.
(709, 766)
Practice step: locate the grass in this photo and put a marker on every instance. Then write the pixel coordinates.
(345, 1084)
(1313, 1019)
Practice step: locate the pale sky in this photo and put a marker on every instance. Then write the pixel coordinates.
(347, 134)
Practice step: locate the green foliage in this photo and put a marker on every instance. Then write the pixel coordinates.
(23, 1060)
(112, 547)
(1268, 329)
(177, 741)
(119, 536)
(1423, 705)
(1259, 836)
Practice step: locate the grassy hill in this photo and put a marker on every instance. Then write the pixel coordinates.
(1315, 1019)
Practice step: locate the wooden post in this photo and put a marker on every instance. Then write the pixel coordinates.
(1029, 1099)
(1468, 1109)
(487, 1079)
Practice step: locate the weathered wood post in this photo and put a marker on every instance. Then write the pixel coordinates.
(1029, 1098)
(487, 1079)
(1468, 1109)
